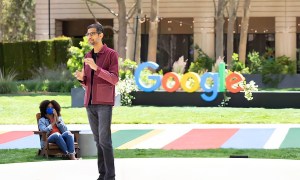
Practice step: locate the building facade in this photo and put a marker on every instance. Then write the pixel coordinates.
(183, 24)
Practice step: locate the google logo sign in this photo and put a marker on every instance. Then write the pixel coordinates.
(220, 82)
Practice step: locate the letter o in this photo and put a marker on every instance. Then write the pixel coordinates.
(165, 81)
(195, 86)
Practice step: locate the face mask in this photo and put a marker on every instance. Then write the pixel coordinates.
(49, 110)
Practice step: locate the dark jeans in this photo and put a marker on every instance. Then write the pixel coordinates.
(100, 121)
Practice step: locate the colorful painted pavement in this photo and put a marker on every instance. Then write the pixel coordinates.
(178, 137)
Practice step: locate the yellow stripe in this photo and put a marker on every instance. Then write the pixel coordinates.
(112, 131)
(132, 143)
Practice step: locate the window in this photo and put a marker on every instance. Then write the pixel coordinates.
(175, 39)
(261, 35)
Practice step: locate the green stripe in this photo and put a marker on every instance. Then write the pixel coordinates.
(123, 136)
(291, 140)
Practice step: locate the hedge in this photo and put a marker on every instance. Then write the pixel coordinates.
(46, 54)
(25, 57)
(13, 60)
(1, 57)
(61, 50)
(30, 58)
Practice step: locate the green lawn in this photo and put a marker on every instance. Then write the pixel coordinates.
(21, 109)
(29, 155)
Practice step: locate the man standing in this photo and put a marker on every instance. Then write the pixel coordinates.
(99, 77)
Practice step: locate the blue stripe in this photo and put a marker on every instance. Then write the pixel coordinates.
(32, 141)
(252, 138)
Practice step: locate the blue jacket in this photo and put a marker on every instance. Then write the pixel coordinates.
(45, 126)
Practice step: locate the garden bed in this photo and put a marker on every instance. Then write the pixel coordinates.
(261, 99)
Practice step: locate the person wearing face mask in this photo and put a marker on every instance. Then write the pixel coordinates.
(57, 132)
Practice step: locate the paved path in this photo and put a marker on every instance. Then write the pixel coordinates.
(159, 169)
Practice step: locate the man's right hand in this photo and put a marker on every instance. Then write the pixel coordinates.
(79, 75)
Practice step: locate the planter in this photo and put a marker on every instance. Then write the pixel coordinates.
(288, 81)
(262, 99)
(77, 97)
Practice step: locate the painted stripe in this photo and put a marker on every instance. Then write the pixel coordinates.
(13, 135)
(249, 138)
(32, 141)
(123, 136)
(292, 139)
(113, 131)
(202, 139)
(131, 144)
(162, 139)
(2, 132)
(276, 138)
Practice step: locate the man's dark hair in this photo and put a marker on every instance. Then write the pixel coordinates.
(97, 26)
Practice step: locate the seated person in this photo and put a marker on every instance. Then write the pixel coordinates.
(57, 132)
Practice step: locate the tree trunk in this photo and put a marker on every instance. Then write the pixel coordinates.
(138, 31)
(122, 37)
(1, 19)
(152, 42)
(233, 6)
(244, 32)
(219, 28)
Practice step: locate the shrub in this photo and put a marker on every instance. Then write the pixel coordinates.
(202, 64)
(46, 54)
(126, 68)
(75, 62)
(7, 84)
(255, 62)
(62, 44)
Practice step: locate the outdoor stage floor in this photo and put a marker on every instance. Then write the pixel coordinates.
(159, 169)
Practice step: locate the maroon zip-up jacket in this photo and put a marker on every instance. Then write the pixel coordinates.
(104, 79)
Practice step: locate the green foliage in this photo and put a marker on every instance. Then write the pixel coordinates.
(13, 58)
(255, 65)
(75, 62)
(269, 54)
(1, 57)
(7, 84)
(46, 54)
(126, 68)
(29, 58)
(202, 64)
(58, 79)
(237, 65)
(62, 44)
(17, 20)
(273, 70)
(76, 41)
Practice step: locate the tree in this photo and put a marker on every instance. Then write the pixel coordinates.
(137, 32)
(233, 7)
(17, 20)
(123, 19)
(219, 17)
(152, 42)
(244, 31)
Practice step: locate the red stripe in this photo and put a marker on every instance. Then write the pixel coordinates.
(13, 135)
(202, 139)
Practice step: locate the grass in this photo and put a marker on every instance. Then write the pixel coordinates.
(29, 155)
(21, 109)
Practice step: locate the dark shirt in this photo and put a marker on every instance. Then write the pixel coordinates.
(94, 55)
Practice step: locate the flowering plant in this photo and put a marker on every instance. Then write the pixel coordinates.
(248, 88)
(124, 88)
